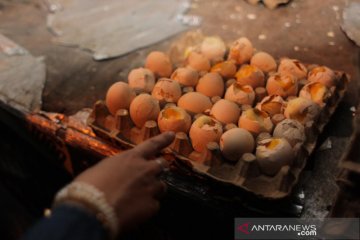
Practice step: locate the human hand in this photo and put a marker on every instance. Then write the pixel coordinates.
(130, 181)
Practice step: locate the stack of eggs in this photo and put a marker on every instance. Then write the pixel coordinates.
(241, 99)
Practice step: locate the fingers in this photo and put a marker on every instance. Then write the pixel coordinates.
(154, 145)
(157, 166)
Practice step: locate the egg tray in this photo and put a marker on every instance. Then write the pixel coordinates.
(245, 174)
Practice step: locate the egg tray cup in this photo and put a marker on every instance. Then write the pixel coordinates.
(245, 173)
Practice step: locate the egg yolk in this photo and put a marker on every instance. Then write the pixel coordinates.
(286, 82)
(256, 115)
(245, 71)
(317, 70)
(171, 113)
(317, 92)
(238, 87)
(273, 144)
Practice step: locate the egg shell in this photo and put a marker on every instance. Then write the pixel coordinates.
(282, 85)
(235, 142)
(174, 119)
(241, 51)
(291, 130)
(225, 111)
(198, 62)
(226, 69)
(213, 48)
(273, 104)
(141, 80)
(159, 64)
(302, 110)
(242, 95)
(272, 154)
(264, 61)
(194, 102)
(203, 131)
(211, 85)
(250, 75)
(144, 108)
(119, 96)
(167, 90)
(317, 92)
(186, 77)
(292, 67)
(255, 121)
(322, 75)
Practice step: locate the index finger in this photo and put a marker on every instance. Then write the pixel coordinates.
(154, 145)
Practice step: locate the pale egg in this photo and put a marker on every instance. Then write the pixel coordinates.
(291, 130)
(235, 142)
(264, 61)
(302, 110)
(213, 48)
(241, 51)
(317, 92)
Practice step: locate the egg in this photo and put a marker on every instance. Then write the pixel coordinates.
(250, 75)
(235, 142)
(240, 94)
(194, 102)
(291, 130)
(272, 154)
(186, 77)
(272, 105)
(302, 110)
(141, 80)
(226, 69)
(241, 51)
(203, 131)
(198, 62)
(211, 85)
(174, 119)
(213, 48)
(225, 111)
(282, 85)
(159, 64)
(166, 90)
(317, 92)
(264, 61)
(119, 96)
(322, 75)
(144, 108)
(255, 121)
(292, 67)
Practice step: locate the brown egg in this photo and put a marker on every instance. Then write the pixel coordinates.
(317, 92)
(240, 94)
(291, 130)
(167, 90)
(159, 64)
(272, 105)
(250, 75)
(211, 85)
(322, 75)
(194, 102)
(226, 69)
(272, 154)
(174, 119)
(225, 111)
(292, 67)
(255, 121)
(198, 62)
(213, 48)
(204, 130)
(241, 51)
(235, 142)
(119, 96)
(144, 108)
(282, 85)
(186, 77)
(302, 110)
(141, 80)
(264, 61)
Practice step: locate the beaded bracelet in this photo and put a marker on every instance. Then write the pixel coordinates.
(93, 200)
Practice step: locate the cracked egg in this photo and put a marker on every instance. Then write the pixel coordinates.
(241, 51)
(198, 62)
(167, 90)
(282, 85)
(213, 48)
(317, 92)
(255, 121)
(144, 108)
(264, 61)
(141, 80)
(322, 75)
(119, 96)
(186, 77)
(302, 110)
(211, 85)
(225, 111)
(235, 142)
(159, 64)
(174, 119)
(240, 94)
(291, 130)
(250, 75)
(226, 69)
(273, 104)
(292, 67)
(194, 102)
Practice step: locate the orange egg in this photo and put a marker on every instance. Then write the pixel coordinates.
(186, 77)
(204, 130)
(302, 110)
(272, 105)
(255, 121)
(264, 61)
(119, 96)
(240, 94)
(211, 85)
(317, 92)
(292, 67)
(226, 69)
(225, 111)
(250, 75)
(144, 108)
(235, 142)
(322, 75)
(174, 119)
(194, 102)
(282, 85)
(159, 64)
(198, 62)
(167, 90)
(141, 80)
(241, 51)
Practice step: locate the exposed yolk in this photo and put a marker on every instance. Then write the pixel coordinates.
(172, 114)
(238, 87)
(317, 70)
(217, 67)
(317, 91)
(245, 71)
(286, 82)
(256, 115)
(206, 121)
(272, 144)
(271, 107)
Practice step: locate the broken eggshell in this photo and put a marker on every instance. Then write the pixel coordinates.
(250, 75)
(291, 130)
(226, 69)
(241, 51)
(141, 80)
(255, 121)
(282, 85)
(240, 94)
(211, 85)
(292, 67)
(143, 108)
(186, 77)
(174, 119)
(194, 102)
(213, 48)
(322, 75)
(166, 90)
(264, 61)
(273, 104)
(119, 96)
(225, 111)
(302, 110)
(316, 92)
(159, 64)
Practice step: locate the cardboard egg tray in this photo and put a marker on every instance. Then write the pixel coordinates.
(245, 174)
